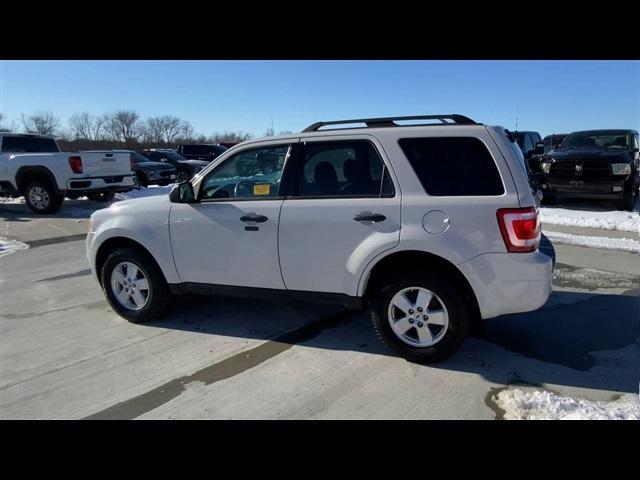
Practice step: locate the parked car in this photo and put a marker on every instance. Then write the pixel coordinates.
(532, 148)
(553, 141)
(185, 168)
(34, 166)
(432, 227)
(598, 164)
(201, 151)
(229, 144)
(148, 172)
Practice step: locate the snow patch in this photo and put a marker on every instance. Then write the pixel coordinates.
(543, 405)
(606, 220)
(625, 244)
(10, 246)
(11, 201)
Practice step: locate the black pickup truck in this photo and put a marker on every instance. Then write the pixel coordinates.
(599, 164)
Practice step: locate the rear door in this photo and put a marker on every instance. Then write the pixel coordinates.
(344, 210)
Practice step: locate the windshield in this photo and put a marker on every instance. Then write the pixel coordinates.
(596, 140)
(137, 158)
(174, 155)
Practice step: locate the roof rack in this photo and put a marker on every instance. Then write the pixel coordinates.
(453, 118)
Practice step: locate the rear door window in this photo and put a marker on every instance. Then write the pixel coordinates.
(345, 168)
(453, 166)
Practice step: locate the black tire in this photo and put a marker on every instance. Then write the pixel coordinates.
(183, 176)
(549, 198)
(142, 179)
(157, 295)
(41, 198)
(453, 300)
(628, 200)
(102, 197)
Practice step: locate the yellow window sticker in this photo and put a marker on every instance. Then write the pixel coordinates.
(261, 189)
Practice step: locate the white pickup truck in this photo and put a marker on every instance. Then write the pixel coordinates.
(34, 167)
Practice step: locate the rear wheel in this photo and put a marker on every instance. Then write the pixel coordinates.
(423, 318)
(134, 285)
(41, 198)
(142, 179)
(102, 196)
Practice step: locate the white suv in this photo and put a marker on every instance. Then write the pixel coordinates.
(433, 226)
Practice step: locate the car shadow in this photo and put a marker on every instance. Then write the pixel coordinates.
(575, 337)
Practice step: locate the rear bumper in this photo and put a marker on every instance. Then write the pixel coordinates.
(511, 282)
(116, 183)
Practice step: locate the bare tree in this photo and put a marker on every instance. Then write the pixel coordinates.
(186, 131)
(2, 129)
(43, 123)
(269, 132)
(154, 130)
(166, 129)
(86, 127)
(229, 137)
(125, 125)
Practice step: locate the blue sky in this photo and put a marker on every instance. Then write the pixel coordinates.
(550, 97)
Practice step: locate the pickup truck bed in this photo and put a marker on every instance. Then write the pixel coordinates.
(46, 177)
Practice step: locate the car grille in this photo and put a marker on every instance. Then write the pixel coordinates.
(590, 169)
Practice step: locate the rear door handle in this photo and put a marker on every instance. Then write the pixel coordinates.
(254, 218)
(374, 217)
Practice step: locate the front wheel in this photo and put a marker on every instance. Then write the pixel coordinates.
(628, 200)
(134, 285)
(183, 176)
(425, 319)
(41, 198)
(549, 198)
(102, 197)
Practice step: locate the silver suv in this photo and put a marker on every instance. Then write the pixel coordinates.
(431, 226)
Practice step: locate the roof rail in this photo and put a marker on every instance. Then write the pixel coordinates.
(390, 121)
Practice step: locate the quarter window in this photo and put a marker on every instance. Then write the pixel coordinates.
(453, 166)
(250, 174)
(29, 145)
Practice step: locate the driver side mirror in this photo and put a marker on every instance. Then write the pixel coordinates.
(539, 148)
(183, 193)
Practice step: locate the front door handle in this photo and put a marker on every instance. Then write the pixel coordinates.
(374, 217)
(254, 218)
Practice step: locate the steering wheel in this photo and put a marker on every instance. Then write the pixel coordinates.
(219, 192)
(243, 189)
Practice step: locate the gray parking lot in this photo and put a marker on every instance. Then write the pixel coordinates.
(66, 355)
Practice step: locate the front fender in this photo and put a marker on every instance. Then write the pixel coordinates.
(151, 235)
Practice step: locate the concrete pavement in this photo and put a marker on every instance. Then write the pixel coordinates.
(65, 354)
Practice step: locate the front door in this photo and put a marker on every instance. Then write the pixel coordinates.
(230, 237)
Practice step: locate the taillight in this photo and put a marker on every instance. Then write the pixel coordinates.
(76, 164)
(132, 164)
(520, 228)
